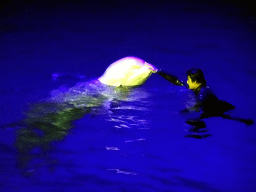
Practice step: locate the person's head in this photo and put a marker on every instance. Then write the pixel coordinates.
(195, 78)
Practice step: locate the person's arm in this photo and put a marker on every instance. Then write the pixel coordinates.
(174, 80)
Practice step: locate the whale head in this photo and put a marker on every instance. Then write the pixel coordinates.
(128, 71)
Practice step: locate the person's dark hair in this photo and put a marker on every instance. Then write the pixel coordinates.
(196, 75)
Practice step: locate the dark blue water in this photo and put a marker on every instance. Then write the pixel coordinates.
(124, 139)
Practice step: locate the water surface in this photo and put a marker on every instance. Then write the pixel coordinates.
(110, 139)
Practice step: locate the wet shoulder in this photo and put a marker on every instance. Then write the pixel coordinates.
(206, 93)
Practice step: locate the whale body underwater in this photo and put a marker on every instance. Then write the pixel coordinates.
(50, 120)
(115, 85)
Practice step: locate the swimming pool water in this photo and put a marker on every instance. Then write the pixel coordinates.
(134, 139)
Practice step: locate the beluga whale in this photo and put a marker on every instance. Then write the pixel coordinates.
(51, 119)
(115, 84)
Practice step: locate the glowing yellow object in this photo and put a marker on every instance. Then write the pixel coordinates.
(128, 71)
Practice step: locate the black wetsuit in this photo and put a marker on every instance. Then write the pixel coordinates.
(209, 103)
(206, 99)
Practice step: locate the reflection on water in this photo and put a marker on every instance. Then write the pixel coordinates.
(51, 120)
(213, 109)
